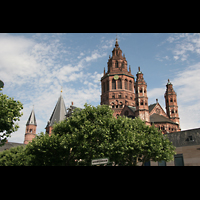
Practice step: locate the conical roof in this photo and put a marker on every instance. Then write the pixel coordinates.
(59, 112)
(32, 119)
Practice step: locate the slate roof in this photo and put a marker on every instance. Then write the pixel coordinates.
(185, 138)
(151, 107)
(70, 110)
(59, 112)
(8, 145)
(160, 118)
(132, 108)
(32, 119)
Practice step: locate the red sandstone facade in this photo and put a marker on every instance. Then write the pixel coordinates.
(118, 83)
(31, 127)
(129, 97)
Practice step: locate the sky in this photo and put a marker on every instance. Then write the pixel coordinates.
(34, 67)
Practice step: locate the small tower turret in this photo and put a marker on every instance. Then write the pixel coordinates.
(141, 99)
(171, 103)
(31, 126)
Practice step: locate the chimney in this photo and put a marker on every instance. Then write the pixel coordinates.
(156, 100)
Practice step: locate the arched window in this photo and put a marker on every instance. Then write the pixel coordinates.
(172, 110)
(130, 85)
(171, 100)
(141, 103)
(126, 84)
(113, 84)
(140, 90)
(119, 83)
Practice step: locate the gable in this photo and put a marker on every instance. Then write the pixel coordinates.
(157, 109)
(128, 110)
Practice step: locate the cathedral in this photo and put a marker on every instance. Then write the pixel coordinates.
(125, 95)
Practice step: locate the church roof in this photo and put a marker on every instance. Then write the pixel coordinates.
(151, 107)
(132, 108)
(32, 119)
(160, 118)
(59, 112)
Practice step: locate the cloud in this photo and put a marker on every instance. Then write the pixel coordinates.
(176, 57)
(94, 56)
(184, 45)
(34, 68)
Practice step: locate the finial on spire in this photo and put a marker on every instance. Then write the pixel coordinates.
(104, 72)
(129, 68)
(61, 90)
(168, 82)
(139, 69)
(116, 43)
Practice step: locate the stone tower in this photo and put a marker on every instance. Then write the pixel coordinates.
(117, 83)
(171, 103)
(31, 126)
(141, 99)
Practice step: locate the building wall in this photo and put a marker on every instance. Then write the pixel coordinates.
(187, 143)
(191, 156)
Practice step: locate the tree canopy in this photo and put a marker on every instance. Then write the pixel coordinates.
(10, 112)
(93, 133)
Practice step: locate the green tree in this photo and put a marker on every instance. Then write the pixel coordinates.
(10, 112)
(139, 143)
(45, 150)
(94, 133)
(15, 156)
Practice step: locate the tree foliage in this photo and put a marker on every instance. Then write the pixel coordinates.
(10, 112)
(94, 133)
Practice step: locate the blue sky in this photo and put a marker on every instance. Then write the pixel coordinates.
(34, 67)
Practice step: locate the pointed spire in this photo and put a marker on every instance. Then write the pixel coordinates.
(129, 68)
(32, 118)
(59, 112)
(104, 72)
